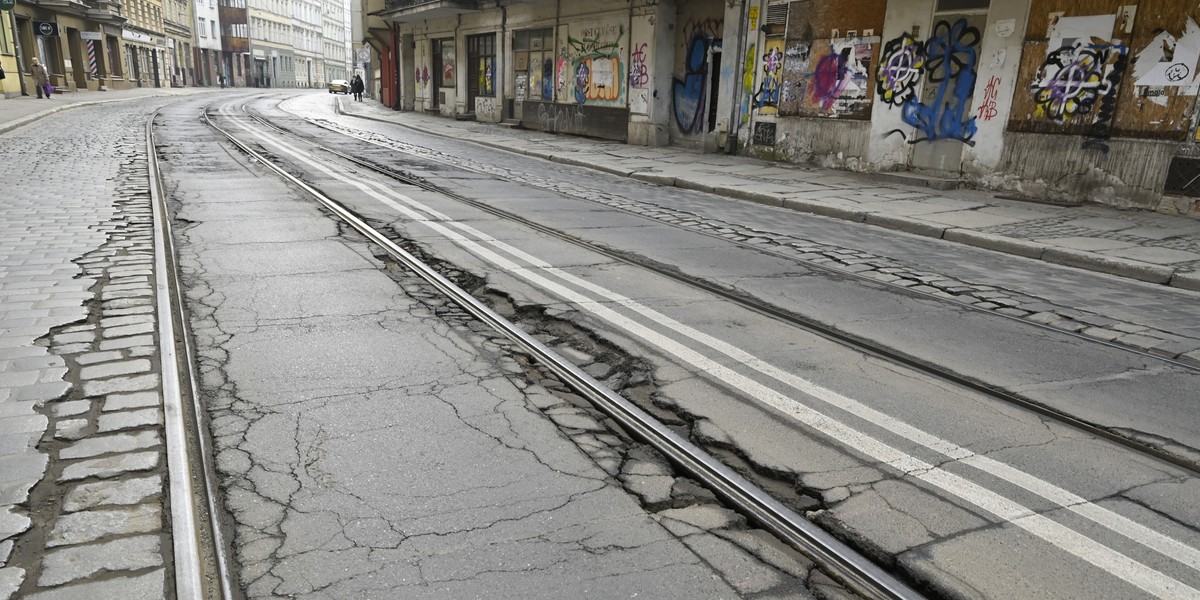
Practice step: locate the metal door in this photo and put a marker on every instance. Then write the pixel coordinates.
(943, 119)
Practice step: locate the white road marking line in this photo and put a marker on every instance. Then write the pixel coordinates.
(1132, 571)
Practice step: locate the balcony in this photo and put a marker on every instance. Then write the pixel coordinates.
(402, 11)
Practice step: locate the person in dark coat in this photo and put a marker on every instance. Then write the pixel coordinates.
(357, 87)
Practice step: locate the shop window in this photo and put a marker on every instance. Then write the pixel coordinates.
(481, 59)
(533, 58)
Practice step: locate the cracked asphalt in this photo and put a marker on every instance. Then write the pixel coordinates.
(372, 442)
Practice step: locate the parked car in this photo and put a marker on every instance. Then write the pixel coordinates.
(339, 86)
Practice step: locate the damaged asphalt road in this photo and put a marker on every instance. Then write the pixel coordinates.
(366, 444)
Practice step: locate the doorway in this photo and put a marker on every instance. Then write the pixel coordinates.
(444, 73)
(944, 118)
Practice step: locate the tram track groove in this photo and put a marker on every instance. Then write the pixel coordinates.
(200, 547)
(1069, 540)
(839, 559)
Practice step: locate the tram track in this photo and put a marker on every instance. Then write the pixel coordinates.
(859, 343)
(842, 562)
(201, 551)
(761, 308)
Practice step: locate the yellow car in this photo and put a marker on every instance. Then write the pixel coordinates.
(339, 86)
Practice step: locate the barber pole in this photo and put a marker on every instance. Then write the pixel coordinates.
(91, 37)
(92, 58)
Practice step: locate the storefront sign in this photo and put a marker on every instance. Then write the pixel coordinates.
(46, 28)
(7, 4)
(91, 35)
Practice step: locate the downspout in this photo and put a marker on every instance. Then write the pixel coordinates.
(553, 84)
(735, 119)
(397, 103)
(497, 72)
(21, 64)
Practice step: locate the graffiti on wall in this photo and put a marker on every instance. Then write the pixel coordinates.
(1168, 62)
(900, 69)
(639, 73)
(487, 85)
(545, 80)
(1079, 80)
(987, 107)
(796, 66)
(422, 77)
(561, 117)
(748, 82)
(839, 83)
(766, 99)
(597, 64)
(949, 60)
(689, 90)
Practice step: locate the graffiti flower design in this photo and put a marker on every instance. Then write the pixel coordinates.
(900, 69)
(1070, 81)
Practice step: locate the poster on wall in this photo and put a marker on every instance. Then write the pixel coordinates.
(448, 78)
(592, 70)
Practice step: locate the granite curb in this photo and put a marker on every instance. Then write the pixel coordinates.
(1079, 259)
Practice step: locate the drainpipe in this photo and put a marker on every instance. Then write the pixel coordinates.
(497, 72)
(21, 64)
(735, 119)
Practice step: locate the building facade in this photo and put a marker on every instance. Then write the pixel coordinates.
(208, 58)
(309, 51)
(273, 59)
(1049, 99)
(334, 20)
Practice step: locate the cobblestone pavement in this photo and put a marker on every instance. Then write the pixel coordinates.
(82, 512)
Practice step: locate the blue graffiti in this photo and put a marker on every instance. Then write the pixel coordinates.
(950, 58)
(688, 93)
(548, 79)
(583, 75)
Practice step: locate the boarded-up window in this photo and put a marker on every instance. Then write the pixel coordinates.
(1102, 68)
(830, 51)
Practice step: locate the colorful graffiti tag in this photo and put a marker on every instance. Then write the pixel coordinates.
(689, 91)
(900, 70)
(766, 100)
(639, 73)
(949, 62)
(1082, 79)
(839, 83)
(597, 64)
(748, 82)
(987, 107)
(1070, 81)
(487, 86)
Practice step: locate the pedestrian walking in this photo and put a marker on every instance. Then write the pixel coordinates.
(41, 78)
(221, 80)
(356, 87)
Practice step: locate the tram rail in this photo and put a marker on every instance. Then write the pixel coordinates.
(841, 561)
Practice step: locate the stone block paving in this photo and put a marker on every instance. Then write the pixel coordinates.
(82, 502)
